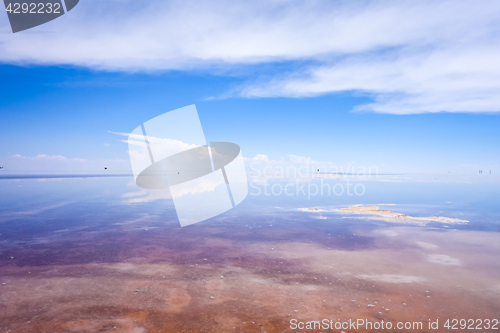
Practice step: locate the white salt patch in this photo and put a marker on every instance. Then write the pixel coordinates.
(444, 259)
(391, 278)
(389, 233)
(427, 245)
(314, 210)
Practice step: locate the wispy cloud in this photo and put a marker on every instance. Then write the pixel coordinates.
(168, 147)
(412, 57)
(261, 168)
(43, 157)
(402, 82)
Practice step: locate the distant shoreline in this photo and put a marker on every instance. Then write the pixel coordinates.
(32, 176)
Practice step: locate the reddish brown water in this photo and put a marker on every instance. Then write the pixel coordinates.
(100, 266)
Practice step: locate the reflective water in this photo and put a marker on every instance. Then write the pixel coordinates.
(100, 254)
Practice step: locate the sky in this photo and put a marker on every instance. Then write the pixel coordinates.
(401, 85)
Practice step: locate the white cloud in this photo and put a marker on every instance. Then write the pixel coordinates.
(43, 157)
(301, 159)
(258, 157)
(263, 168)
(443, 80)
(412, 57)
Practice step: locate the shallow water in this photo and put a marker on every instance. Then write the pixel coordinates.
(100, 254)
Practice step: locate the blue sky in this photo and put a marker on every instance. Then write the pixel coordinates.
(388, 84)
